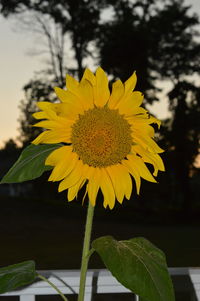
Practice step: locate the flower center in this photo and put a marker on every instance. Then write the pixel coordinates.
(101, 137)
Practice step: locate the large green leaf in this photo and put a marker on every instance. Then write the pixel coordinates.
(16, 275)
(30, 164)
(138, 265)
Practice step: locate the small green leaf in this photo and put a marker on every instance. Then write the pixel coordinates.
(16, 275)
(138, 265)
(30, 164)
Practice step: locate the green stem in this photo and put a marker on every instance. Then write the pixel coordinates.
(86, 252)
(55, 287)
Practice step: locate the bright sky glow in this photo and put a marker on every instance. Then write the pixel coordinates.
(17, 68)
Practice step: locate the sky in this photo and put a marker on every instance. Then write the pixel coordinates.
(17, 68)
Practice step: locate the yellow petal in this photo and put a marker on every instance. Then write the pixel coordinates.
(62, 94)
(73, 177)
(68, 111)
(58, 155)
(126, 181)
(88, 75)
(73, 191)
(144, 119)
(101, 90)
(53, 136)
(136, 98)
(148, 143)
(71, 100)
(65, 96)
(46, 124)
(121, 180)
(130, 83)
(64, 167)
(130, 105)
(94, 176)
(44, 105)
(86, 94)
(48, 108)
(83, 91)
(71, 84)
(141, 130)
(116, 95)
(154, 120)
(49, 124)
(140, 166)
(107, 189)
(151, 158)
(134, 172)
(130, 111)
(114, 174)
(40, 115)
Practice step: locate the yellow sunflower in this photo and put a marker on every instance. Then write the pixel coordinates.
(107, 138)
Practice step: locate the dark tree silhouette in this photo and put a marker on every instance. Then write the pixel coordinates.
(35, 91)
(79, 18)
(159, 41)
(126, 43)
(178, 51)
(184, 135)
(8, 155)
(75, 17)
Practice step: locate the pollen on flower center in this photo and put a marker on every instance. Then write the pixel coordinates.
(101, 137)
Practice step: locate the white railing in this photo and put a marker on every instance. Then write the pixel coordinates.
(101, 281)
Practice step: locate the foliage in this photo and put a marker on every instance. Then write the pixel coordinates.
(138, 265)
(30, 164)
(16, 275)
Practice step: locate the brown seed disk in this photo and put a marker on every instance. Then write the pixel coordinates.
(101, 137)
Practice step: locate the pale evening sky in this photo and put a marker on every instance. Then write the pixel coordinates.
(17, 68)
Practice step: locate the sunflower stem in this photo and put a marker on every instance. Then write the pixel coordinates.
(86, 252)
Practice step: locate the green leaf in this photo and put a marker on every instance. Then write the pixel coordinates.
(30, 164)
(16, 275)
(138, 265)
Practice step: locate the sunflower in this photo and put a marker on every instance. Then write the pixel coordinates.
(106, 138)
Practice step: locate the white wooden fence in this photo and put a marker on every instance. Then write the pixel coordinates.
(101, 281)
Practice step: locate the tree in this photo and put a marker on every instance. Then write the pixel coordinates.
(35, 91)
(159, 42)
(79, 18)
(176, 51)
(184, 135)
(74, 19)
(179, 57)
(8, 155)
